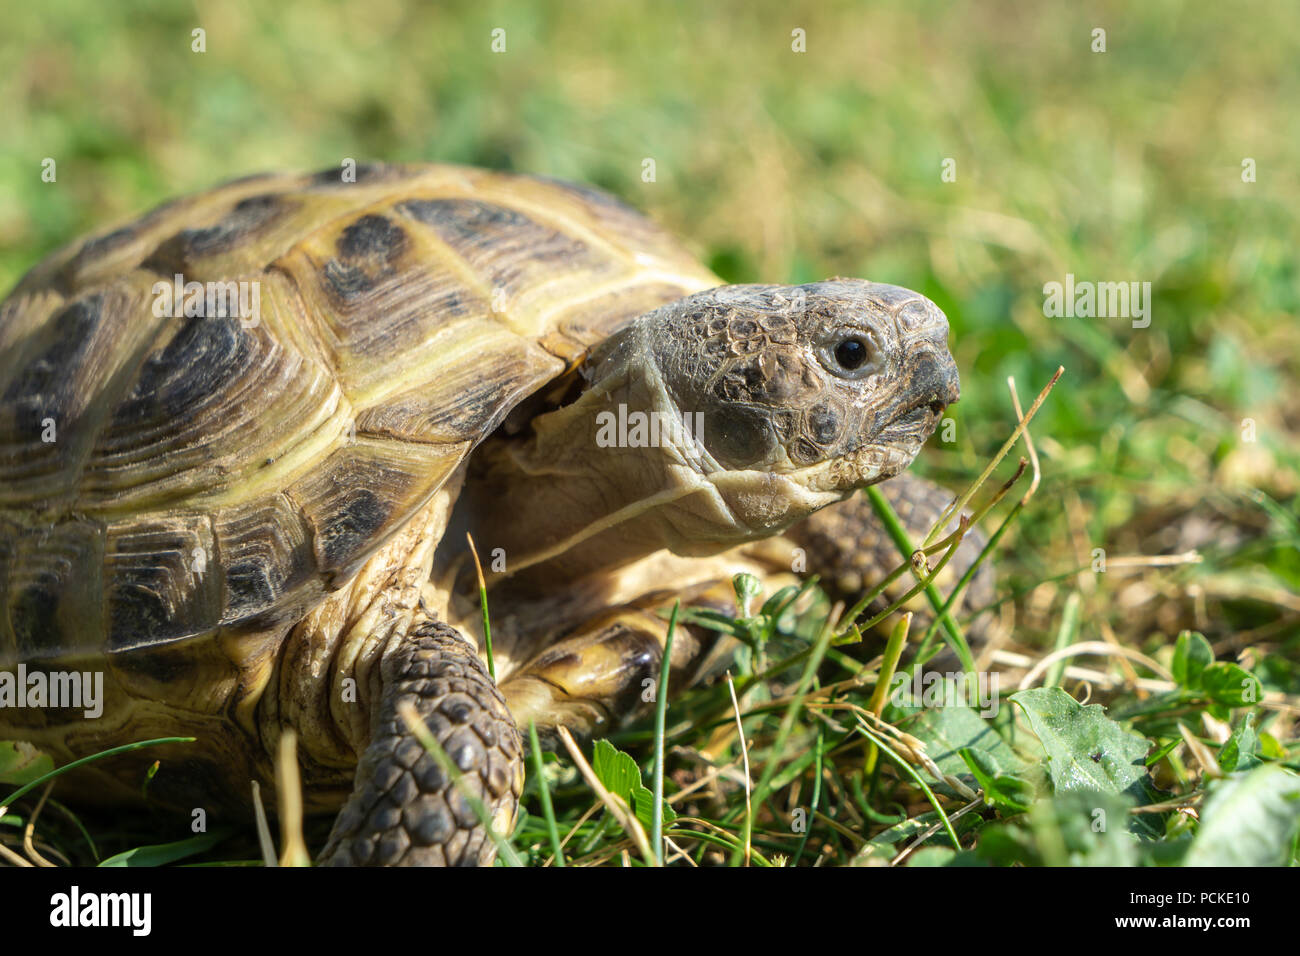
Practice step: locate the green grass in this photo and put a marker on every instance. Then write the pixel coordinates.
(785, 167)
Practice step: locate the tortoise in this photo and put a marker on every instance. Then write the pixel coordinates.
(244, 438)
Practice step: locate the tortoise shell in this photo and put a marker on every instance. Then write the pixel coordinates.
(164, 474)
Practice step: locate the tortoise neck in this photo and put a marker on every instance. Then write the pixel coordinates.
(593, 485)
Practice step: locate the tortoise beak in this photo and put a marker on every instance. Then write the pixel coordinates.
(934, 384)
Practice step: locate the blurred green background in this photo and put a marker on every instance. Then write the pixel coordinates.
(783, 166)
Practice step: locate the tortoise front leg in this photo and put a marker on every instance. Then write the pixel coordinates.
(605, 672)
(404, 810)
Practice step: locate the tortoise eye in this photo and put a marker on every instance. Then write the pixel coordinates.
(852, 354)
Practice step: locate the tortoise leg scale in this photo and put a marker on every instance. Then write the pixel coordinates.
(404, 810)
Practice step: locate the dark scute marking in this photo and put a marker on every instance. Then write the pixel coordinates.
(97, 248)
(166, 665)
(252, 584)
(32, 614)
(50, 597)
(589, 194)
(367, 250)
(137, 612)
(248, 217)
(346, 282)
(465, 216)
(370, 237)
(266, 556)
(351, 528)
(153, 592)
(366, 173)
(555, 657)
(158, 213)
(196, 365)
(504, 245)
(45, 373)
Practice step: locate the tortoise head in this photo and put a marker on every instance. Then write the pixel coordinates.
(764, 403)
(834, 384)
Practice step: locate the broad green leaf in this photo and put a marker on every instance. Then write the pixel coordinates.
(1271, 747)
(1239, 752)
(615, 770)
(22, 763)
(1093, 829)
(1086, 750)
(1079, 828)
(946, 731)
(1231, 685)
(620, 775)
(1005, 844)
(1249, 819)
(1192, 654)
(163, 853)
(643, 801)
(1002, 791)
(944, 856)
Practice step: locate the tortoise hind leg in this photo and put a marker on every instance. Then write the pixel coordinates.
(404, 810)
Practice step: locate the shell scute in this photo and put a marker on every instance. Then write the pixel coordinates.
(266, 553)
(519, 257)
(206, 411)
(51, 581)
(187, 251)
(363, 492)
(162, 580)
(55, 385)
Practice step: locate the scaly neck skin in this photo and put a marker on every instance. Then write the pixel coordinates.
(563, 502)
(556, 497)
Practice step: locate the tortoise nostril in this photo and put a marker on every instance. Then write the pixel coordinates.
(936, 408)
